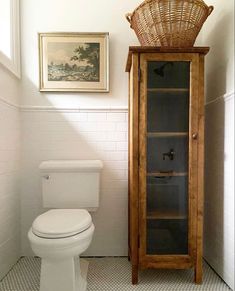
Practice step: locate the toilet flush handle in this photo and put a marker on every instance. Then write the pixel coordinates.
(47, 177)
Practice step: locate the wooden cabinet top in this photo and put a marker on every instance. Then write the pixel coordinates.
(152, 49)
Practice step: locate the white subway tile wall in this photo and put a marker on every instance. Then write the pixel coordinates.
(219, 188)
(9, 187)
(79, 135)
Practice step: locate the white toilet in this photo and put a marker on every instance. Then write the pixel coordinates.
(60, 235)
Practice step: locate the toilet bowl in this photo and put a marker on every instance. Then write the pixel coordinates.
(59, 237)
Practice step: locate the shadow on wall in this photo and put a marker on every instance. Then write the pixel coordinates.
(214, 184)
(217, 61)
(78, 134)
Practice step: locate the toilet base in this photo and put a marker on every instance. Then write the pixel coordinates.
(84, 264)
(60, 275)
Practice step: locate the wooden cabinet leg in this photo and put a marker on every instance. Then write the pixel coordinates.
(198, 273)
(134, 274)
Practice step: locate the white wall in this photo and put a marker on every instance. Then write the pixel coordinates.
(218, 33)
(219, 188)
(78, 16)
(9, 171)
(9, 87)
(90, 132)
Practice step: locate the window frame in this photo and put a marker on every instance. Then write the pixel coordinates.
(13, 63)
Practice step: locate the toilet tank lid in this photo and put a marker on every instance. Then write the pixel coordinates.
(71, 165)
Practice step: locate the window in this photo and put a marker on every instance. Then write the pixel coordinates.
(9, 35)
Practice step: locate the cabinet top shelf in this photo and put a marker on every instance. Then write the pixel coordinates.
(152, 49)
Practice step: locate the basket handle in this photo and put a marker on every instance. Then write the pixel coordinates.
(210, 9)
(128, 17)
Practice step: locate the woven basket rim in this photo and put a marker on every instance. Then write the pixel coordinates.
(199, 2)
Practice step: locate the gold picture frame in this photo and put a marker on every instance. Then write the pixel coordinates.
(74, 62)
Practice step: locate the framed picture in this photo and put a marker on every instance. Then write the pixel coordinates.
(74, 62)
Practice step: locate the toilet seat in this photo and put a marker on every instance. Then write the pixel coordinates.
(61, 223)
(59, 248)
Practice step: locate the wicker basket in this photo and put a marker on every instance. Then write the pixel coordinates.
(173, 23)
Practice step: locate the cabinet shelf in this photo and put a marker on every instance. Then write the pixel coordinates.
(167, 134)
(166, 215)
(168, 90)
(171, 174)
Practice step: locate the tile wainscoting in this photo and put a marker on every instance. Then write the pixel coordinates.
(219, 187)
(83, 133)
(9, 185)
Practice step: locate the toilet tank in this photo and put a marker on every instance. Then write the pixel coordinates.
(71, 183)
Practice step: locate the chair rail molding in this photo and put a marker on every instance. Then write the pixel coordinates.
(26, 108)
(12, 63)
(226, 97)
(9, 103)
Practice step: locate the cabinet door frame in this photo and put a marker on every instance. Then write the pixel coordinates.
(133, 174)
(170, 261)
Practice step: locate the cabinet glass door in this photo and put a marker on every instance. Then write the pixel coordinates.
(167, 148)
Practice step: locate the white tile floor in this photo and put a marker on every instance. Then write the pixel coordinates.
(114, 274)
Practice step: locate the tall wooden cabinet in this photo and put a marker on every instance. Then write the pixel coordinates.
(166, 156)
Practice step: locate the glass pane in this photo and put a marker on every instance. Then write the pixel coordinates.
(168, 75)
(167, 157)
(167, 237)
(167, 194)
(158, 149)
(168, 112)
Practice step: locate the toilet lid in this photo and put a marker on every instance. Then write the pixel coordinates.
(60, 223)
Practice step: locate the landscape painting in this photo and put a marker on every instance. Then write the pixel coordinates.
(73, 62)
